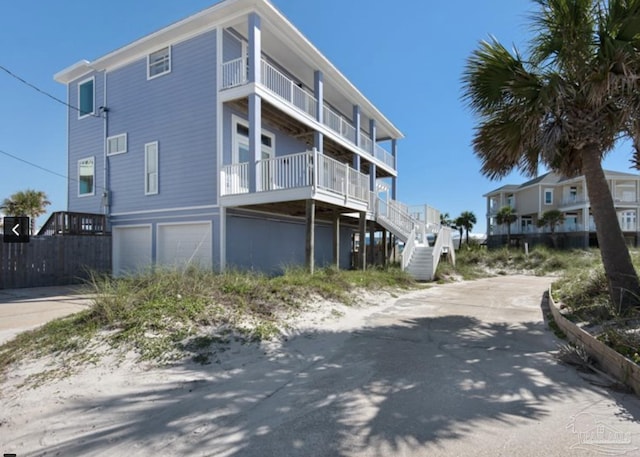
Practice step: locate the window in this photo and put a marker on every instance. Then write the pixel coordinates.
(86, 175)
(159, 63)
(151, 168)
(86, 95)
(548, 196)
(241, 142)
(526, 224)
(117, 144)
(511, 201)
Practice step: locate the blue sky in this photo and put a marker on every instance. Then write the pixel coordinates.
(406, 56)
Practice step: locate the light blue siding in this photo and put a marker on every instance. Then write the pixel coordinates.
(255, 242)
(178, 110)
(86, 139)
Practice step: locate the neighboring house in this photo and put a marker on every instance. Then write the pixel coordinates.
(228, 140)
(568, 195)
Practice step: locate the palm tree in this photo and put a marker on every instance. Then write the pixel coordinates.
(466, 220)
(445, 220)
(29, 203)
(506, 216)
(565, 106)
(457, 225)
(552, 219)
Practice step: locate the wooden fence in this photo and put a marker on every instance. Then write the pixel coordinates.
(53, 260)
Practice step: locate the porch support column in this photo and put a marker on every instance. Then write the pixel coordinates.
(385, 247)
(255, 47)
(373, 134)
(318, 88)
(336, 239)
(223, 239)
(362, 248)
(372, 242)
(358, 126)
(255, 140)
(394, 153)
(585, 224)
(310, 235)
(372, 177)
(255, 102)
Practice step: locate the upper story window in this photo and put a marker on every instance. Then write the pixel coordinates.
(241, 142)
(548, 196)
(151, 168)
(86, 177)
(86, 98)
(511, 201)
(159, 63)
(117, 144)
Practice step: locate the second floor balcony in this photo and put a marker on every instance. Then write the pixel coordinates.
(235, 74)
(301, 176)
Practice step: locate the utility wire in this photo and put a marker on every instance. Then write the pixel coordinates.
(68, 178)
(43, 92)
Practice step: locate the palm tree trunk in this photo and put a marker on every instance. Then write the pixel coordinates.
(624, 287)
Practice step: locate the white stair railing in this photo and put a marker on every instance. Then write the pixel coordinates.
(409, 249)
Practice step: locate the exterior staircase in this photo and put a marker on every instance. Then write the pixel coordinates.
(419, 259)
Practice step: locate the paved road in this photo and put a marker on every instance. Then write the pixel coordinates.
(23, 309)
(456, 370)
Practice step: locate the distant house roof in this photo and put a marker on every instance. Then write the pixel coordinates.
(552, 178)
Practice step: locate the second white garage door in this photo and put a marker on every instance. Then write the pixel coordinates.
(180, 245)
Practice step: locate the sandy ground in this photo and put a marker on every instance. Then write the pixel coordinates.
(450, 370)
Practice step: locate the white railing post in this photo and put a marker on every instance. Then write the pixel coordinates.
(314, 184)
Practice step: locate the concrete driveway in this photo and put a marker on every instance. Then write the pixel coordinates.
(24, 309)
(462, 369)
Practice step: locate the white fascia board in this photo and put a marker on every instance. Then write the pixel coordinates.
(75, 71)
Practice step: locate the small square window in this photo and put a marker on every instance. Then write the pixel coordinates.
(86, 95)
(86, 177)
(117, 144)
(159, 63)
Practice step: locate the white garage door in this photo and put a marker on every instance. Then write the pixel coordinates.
(184, 244)
(131, 249)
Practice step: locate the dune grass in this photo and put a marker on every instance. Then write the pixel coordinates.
(167, 314)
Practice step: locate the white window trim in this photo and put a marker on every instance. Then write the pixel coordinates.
(544, 197)
(235, 121)
(146, 173)
(93, 111)
(115, 137)
(170, 58)
(93, 190)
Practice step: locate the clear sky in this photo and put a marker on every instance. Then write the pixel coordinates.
(406, 56)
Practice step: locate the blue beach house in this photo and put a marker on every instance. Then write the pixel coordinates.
(227, 139)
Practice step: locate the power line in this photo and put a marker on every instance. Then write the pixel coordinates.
(68, 178)
(43, 92)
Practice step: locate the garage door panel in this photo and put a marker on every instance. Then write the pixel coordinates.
(180, 245)
(131, 249)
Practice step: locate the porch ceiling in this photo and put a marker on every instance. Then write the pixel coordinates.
(297, 208)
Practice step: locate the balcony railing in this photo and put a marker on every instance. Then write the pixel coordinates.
(235, 179)
(298, 171)
(574, 200)
(235, 73)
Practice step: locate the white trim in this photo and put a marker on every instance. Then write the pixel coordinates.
(237, 120)
(93, 189)
(93, 95)
(186, 208)
(169, 58)
(114, 137)
(222, 224)
(146, 171)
